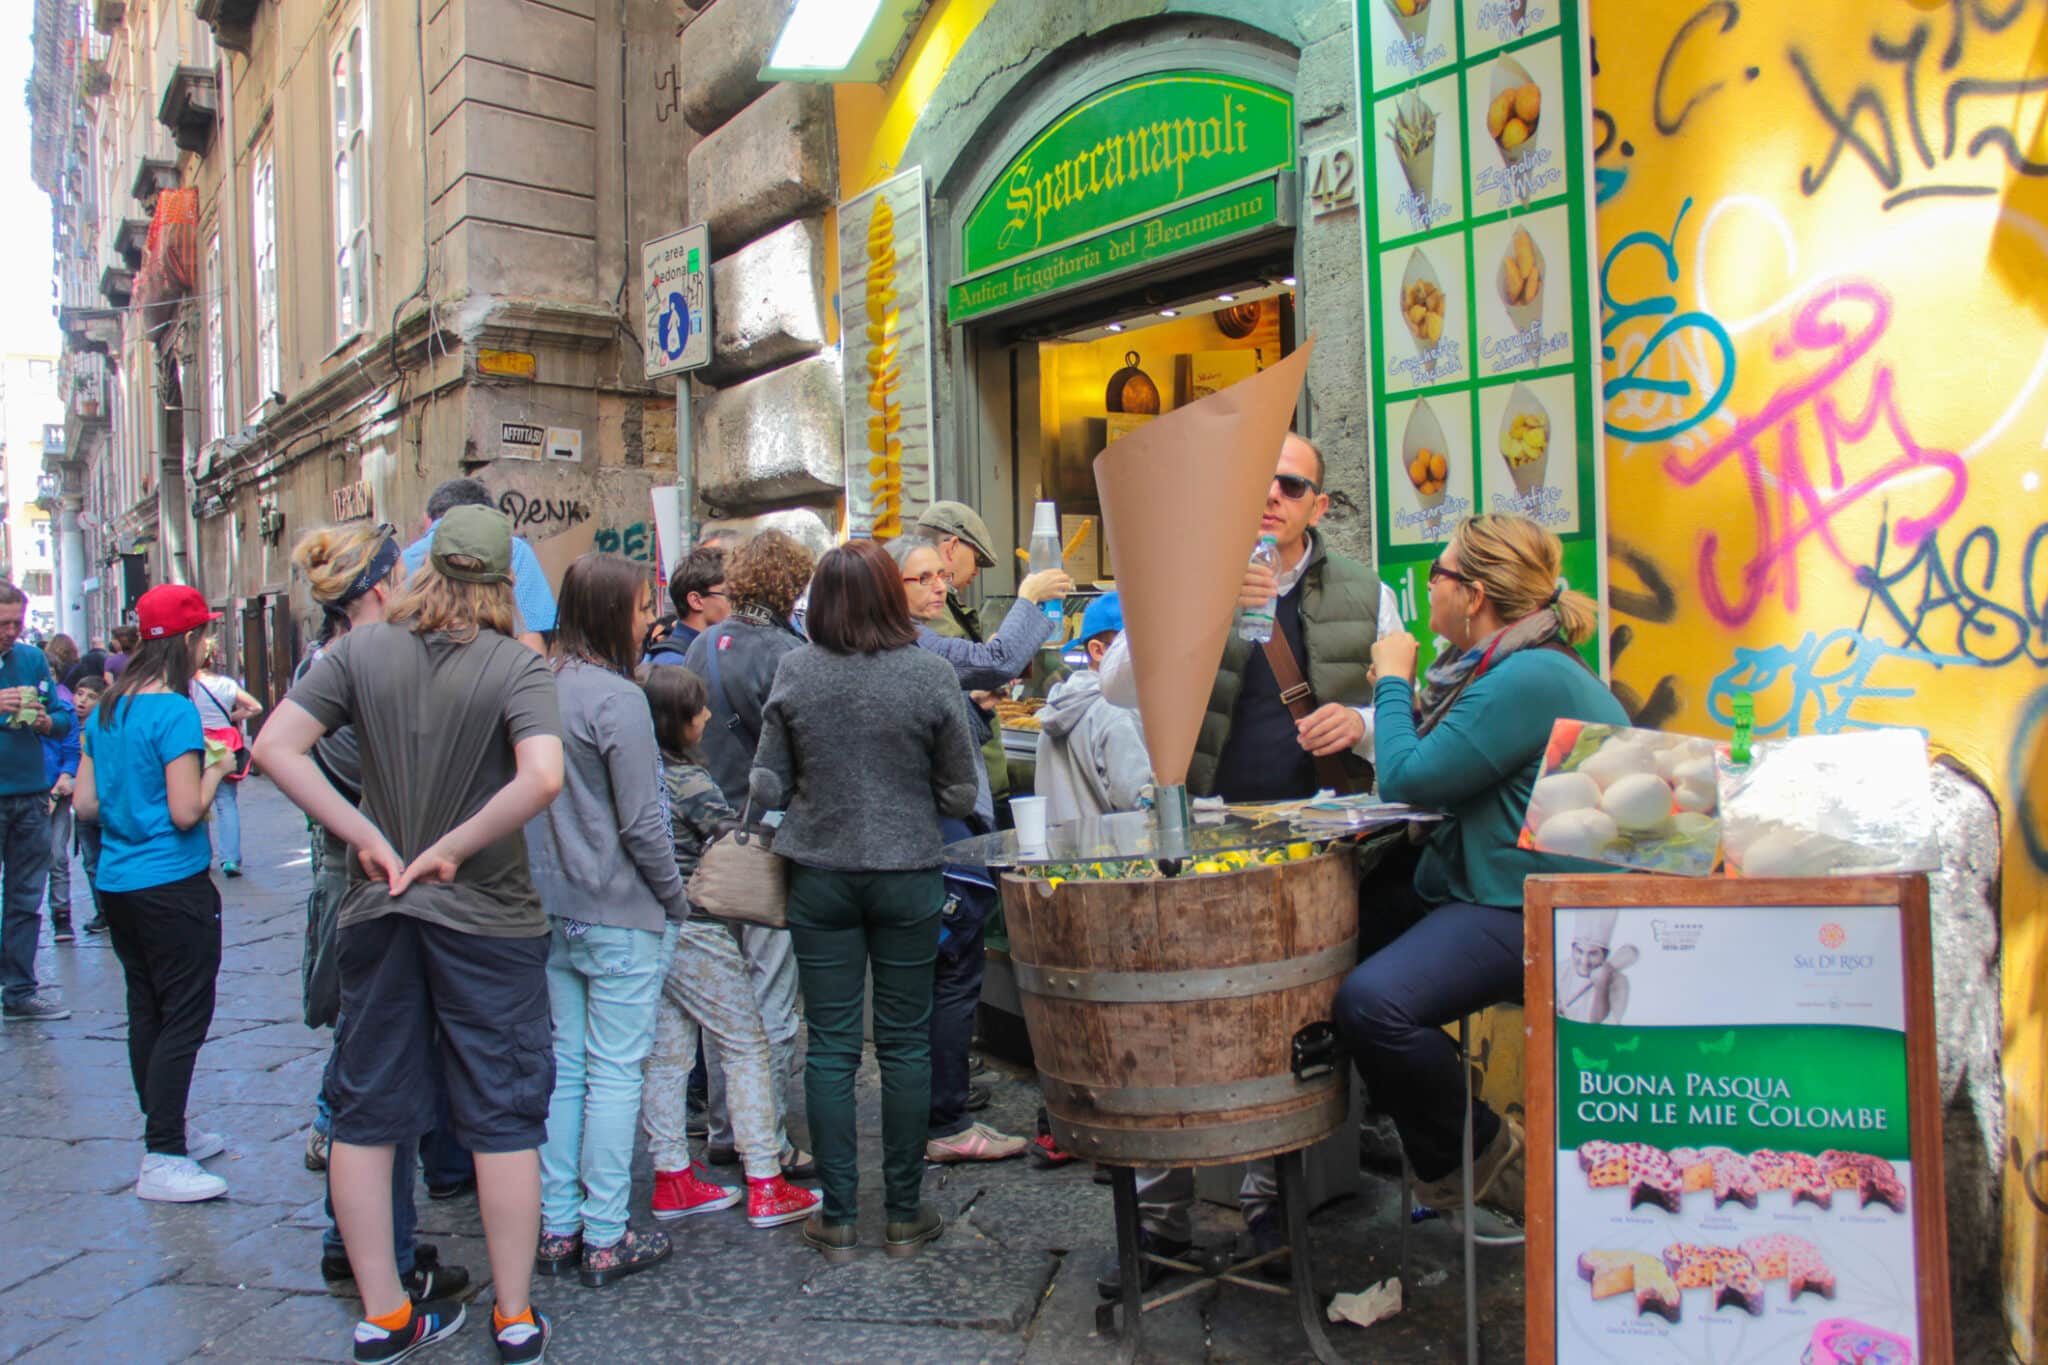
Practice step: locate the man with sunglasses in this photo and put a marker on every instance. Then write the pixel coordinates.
(1328, 609)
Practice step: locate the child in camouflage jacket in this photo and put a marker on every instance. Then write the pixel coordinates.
(708, 988)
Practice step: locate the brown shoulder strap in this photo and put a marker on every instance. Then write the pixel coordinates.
(1300, 703)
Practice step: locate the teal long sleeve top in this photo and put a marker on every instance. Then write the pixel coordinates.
(22, 772)
(1479, 765)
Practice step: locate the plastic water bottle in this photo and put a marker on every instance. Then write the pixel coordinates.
(1046, 554)
(1256, 623)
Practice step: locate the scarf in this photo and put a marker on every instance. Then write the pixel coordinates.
(1450, 675)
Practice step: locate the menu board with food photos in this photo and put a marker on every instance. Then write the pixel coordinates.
(1485, 362)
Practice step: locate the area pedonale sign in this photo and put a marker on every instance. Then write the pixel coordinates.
(1150, 166)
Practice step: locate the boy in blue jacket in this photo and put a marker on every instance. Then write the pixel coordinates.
(60, 769)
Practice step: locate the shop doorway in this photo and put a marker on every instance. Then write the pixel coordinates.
(1057, 391)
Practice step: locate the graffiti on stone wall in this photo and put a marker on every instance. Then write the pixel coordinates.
(634, 542)
(539, 516)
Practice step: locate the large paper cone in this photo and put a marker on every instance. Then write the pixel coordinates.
(1181, 501)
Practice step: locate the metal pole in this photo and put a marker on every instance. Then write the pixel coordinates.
(686, 471)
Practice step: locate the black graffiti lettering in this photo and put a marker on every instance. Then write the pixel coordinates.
(1907, 56)
(1664, 700)
(541, 513)
(1954, 607)
(1657, 602)
(2033, 1172)
(1668, 124)
(1843, 121)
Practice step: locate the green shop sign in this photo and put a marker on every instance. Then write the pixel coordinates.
(1154, 165)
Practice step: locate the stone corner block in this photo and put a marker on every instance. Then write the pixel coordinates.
(806, 524)
(723, 52)
(775, 162)
(774, 438)
(768, 302)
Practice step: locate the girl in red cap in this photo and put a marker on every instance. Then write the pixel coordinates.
(146, 775)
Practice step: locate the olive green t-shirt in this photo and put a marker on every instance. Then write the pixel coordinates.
(436, 720)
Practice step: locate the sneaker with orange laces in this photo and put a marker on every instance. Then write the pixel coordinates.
(774, 1201)
(678, 1194)
(978, 1142)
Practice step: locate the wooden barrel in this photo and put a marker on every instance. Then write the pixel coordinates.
(1163, 1014)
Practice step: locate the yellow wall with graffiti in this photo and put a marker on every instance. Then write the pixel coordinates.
(1825, 282)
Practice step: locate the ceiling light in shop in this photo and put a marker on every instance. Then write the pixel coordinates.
(1287, 280)
(1169, 312)
(1114, 327)
(1226, 298)
(851, 41)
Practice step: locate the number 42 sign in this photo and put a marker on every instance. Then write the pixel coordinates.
(675, 284)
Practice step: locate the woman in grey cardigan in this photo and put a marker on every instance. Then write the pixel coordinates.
(865, 746)
(606, 872)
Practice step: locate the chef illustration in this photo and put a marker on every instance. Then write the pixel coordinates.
(1592, 985)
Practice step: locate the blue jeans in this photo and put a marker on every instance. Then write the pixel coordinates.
(24, 870)
(404, 1216)
(227, 823)
(604, 984)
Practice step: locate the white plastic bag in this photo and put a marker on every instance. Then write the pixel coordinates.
(1830, 806)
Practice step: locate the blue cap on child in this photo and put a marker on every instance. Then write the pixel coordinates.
(1104, 613)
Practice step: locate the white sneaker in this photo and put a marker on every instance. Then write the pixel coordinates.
(177, 1180)
(200, 1144)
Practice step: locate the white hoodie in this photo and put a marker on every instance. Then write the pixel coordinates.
(1091, 754)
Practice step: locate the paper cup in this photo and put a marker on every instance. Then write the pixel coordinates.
(1509, 74)
(1425, 432)
(1420, 271)
(1522, 315)
(1528, 477)
(1412, 26)
(1028, 814)
(1419, 169)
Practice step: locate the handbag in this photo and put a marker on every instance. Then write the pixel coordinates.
(739, 877)
(229, 734)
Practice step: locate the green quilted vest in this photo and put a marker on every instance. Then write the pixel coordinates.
(1340, 610)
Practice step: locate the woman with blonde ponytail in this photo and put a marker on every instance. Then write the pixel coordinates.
(1447, 940)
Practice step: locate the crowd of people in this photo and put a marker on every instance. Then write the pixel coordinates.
(512, 789)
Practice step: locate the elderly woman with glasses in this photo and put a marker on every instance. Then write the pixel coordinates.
(1447, 940)
(949, 1135)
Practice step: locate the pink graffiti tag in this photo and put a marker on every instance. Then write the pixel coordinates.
(1799, 507)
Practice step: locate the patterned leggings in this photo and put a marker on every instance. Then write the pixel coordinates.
(708, 987)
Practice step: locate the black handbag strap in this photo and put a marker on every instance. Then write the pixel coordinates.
(227, 721)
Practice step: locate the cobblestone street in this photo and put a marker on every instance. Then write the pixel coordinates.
(98, 1275)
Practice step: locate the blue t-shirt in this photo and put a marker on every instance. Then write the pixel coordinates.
(530, 589)
(139, 846)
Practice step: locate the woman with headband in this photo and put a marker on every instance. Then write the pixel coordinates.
(1448, 940)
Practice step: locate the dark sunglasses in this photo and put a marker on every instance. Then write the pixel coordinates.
(1294, 487)
(1437, 570)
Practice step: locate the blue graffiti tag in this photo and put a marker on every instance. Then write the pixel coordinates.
(1619, 315)
(1942, 600)
(2033, 718)
(1829, 676)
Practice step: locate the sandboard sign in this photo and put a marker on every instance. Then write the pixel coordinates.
(1734, 1123)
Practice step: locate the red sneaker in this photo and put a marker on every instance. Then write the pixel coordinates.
(774, 1201)
(678, 1194)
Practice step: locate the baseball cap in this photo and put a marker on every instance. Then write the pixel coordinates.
(482, 534)
(171, 610)
(958, 519)
(1104, 613)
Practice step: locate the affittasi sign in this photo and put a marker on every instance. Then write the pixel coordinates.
(1152, 166)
